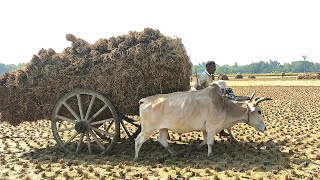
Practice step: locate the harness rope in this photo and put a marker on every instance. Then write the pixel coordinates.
(248, 113)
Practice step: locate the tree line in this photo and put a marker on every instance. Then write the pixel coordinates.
(263, 67)
(10, 67)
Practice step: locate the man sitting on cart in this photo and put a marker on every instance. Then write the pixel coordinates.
(207, 77)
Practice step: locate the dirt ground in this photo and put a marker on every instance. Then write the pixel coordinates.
(289, 149)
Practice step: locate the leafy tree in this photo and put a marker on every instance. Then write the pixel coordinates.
(10, 67)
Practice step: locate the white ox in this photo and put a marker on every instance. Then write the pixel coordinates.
(205, 110)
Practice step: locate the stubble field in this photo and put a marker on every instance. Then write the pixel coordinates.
(289, 149)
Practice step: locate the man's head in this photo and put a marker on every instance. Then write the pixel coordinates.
(211, 67)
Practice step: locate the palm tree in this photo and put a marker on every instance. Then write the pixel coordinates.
(304, 60)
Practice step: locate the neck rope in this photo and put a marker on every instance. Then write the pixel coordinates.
(248, 110)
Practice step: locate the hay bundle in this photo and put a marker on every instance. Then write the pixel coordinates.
(223, 77)
(309, 76)
(238, 76)
(251, 76)
(124, 69)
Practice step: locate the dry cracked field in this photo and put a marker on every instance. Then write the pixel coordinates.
(289, 149)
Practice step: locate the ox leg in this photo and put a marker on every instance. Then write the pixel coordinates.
(162, 138)
(142, 137)
(232, 139)
(204, 142)
(210, 141)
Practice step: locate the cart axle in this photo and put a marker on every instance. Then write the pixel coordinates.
(81, 126)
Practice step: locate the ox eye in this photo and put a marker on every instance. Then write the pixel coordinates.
(259, 112)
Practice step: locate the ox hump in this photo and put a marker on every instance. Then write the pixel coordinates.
(152, 100)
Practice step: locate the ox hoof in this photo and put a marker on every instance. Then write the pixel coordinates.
(135, 157)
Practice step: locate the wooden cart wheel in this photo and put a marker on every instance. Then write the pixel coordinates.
(85, 120)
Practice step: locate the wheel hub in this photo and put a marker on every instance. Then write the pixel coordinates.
(81, 126)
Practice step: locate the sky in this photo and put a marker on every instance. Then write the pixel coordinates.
(226, 31)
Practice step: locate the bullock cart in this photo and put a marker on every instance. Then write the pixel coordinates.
(84, 120)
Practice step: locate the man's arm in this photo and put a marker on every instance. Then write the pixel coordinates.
(200, 81)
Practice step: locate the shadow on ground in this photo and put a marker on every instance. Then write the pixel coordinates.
(240, 156)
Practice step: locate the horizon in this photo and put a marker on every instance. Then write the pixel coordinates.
(225, 32)
(199, 63)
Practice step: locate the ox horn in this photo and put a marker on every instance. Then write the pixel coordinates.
(259, 100)
(251, 97)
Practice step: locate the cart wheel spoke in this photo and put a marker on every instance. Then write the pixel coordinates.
(97, 113)
(97, 140)
(105, 133)
(125, 129)
(90, 106)
(74, 114)
(132, 122)
(80, 106)
(80, 142)
(69, 140)
(108, 128)
(136, 133)
(89, 143)
(102, 121)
